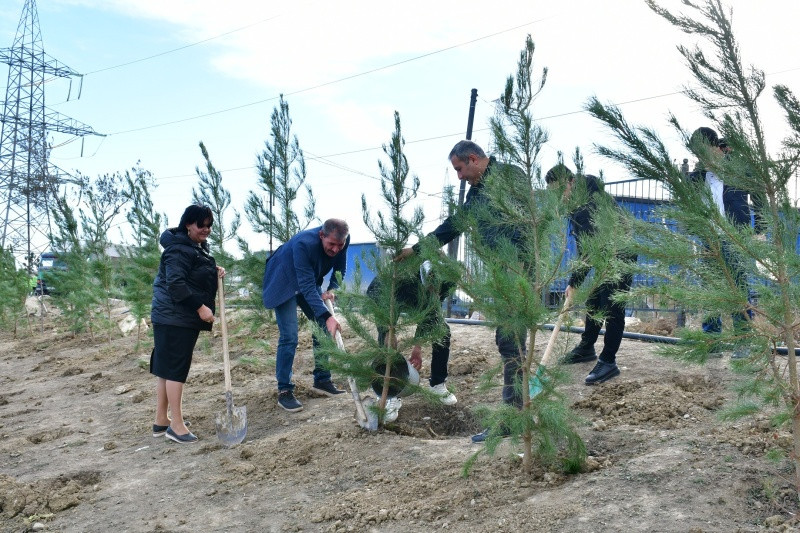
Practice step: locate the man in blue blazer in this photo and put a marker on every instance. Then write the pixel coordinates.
(293, 277)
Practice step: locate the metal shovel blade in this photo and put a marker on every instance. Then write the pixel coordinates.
(232, 423)
(371, 423)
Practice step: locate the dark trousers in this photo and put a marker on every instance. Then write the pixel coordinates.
(512, 350)
(440, 353)
(600, 302)
(713, 324)
(321, 372)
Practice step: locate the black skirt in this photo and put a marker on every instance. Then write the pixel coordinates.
(172, 354)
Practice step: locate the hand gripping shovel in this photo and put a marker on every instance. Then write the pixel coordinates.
(367, 419)
(231, 424)
(536, 382)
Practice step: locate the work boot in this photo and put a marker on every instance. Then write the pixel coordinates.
(287, 400)
(582, 353)
(602, 372)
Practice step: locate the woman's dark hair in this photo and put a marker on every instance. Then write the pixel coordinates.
(195, 214)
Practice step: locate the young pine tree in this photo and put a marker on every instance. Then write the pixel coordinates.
(76, 293)
(282, 173)
(14, 289)
(104, 202)
(210, 192)
(711, 262)
(392, 229)
(140, 261)
(518, 236)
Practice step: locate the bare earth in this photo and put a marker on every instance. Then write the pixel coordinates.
(76, 452)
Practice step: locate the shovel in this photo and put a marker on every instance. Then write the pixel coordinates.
(366, 418)
(536, 382)
(232, 423)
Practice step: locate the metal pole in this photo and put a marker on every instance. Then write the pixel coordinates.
(452, 246)
(473, 98)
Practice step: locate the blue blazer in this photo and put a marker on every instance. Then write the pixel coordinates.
(298, 267)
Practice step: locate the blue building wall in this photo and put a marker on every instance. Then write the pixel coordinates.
(363, 252)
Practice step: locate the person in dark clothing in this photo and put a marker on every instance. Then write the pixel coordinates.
(473, 166)
(732, 203)
(420, 293)
(600, 299)
(183, 305)
(293, 277)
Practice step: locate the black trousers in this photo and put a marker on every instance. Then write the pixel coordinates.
(511, 346)
(600, 302)
(440, 353)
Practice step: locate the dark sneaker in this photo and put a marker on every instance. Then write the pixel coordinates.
(327, 388)
(579, 354)
(186, 438)
(287, 400)
(483, 435)
(602, 372)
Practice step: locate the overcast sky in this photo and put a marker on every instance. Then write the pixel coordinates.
(160, 76)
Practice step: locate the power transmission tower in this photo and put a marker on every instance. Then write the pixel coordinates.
(27, 182)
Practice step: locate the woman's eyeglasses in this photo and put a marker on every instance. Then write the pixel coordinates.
(202, 226)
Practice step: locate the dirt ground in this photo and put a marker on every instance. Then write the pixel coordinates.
(76, 453)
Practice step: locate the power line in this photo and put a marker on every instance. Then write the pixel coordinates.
(328, 83)
(167, 52)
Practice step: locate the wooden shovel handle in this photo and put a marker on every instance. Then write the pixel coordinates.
(361, 414)
(225, 356)
(339, 341)
(548, 352)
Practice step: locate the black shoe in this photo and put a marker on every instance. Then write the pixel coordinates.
(287, 400)
(483, 435)
(579, 354)
(187, 438)
(158, 431)
(602, 372)
(327, 388)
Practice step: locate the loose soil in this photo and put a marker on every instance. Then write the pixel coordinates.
(76, 453)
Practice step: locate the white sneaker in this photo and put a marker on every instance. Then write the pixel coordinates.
(445, 396)
(393, 406)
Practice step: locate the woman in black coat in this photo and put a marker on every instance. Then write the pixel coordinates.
(183, 304)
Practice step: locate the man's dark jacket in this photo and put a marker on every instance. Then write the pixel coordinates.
(475, 200)
(582, 221)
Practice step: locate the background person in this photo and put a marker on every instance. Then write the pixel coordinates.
(600, 300)
(422, 293)
(293, 277)
(183, 304)
(732, 203)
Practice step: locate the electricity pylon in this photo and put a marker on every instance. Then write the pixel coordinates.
(27, 182)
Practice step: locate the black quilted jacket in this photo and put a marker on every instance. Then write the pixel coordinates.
(186, 279)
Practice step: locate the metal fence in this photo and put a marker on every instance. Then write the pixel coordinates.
(642, 198)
